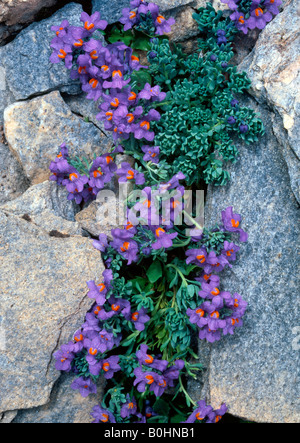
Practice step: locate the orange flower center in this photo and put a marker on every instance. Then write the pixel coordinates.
(132, 15)
(130, 175)
(119, 73)
(241, 20)
(115, 308)
(201, 258)
(105, 367)
(215, 291)
(105, 68)
(132, 96)
(101, 287)
(200, 312)
(206, 277)
(145, 124)
(62, 54)
(109, 116)
(150, 379)
(149, 359)
(89, 26)
(78, 339)
(130, 118)
(158, 231)
(160, 19)
(135, 316)
(215, 314)
(125, 246)
(235, 223)
(105, 418)
(94, 55)
(258, 11)
(115, 103)
(73, 176)
(94, 83)
(79, 43)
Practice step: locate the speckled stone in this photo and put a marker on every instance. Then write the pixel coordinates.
(65, 406)
(43, 301)
(46, 206)
(13, 181)
(256, 371)
(26, 62)
(274, 69)
(36, 128)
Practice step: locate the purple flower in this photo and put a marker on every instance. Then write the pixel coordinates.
(75, 182)
(64, 357)
(161, 24)
(78, 338)
(231, 223)
(110, 366)
(85, 386)
(272, 6)
(61, 52)
(231, 120)
(97, 292)
(172, 184)
(156, 382)
(200, 413)
(139, 318)
(93, 22)
(244, 128)
(152, 94)
(240, 21)
(102, 243)
(147, 360)
(258, 18)
(230, 250)
(142, 129)
(129, 18)
(151, 154)
(163, 239)
(123, 243)
(217, 415)
(201, 258)
(129, 408)
(127, 173)
(102, 415)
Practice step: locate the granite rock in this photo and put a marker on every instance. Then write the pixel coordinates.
(46, 206)
(65, 406)
(25, 61)
(43, 300)
(256, 371)
(13, 181)
(35, 129)
(274, 69)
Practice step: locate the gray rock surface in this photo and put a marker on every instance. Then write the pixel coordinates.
(256, 372)
(13, 181)
(43, 301)
(65, 406)
(25, 65)
(35, 129)
(274, 70)
(47, 207)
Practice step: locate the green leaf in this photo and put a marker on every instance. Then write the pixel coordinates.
(154, 273)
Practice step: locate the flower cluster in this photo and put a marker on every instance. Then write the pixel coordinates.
(252, 14)
(160, 282)
(82, 186)
(205, 414)
(146, 16)
(104, 72)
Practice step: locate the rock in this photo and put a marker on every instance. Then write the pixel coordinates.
(100, 218)
(13, 181)
(35, 129)
(88, 109)
(7, 417)
(274, 70)
(65, 406)
(256, 371)
(43, 301)
(26, 64)
(46, 206)
(185, 27)
(21, 11)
